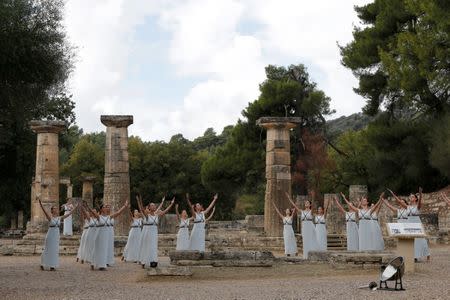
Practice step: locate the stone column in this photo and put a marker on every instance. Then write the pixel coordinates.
(46, 179)
(20, 219)
(117, 178)
(357, 191)
(88, 190)
(335, 218)
(278, 170)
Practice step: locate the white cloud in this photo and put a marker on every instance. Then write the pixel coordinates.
(205, 43)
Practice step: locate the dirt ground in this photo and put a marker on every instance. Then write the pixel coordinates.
(21, 278)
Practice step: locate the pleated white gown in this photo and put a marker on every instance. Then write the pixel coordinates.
(420, 244)
(100, 254)
(91, 235)
(183, 242)
(149, 241)
(352, 231)
(364, 230)
(308, 233)
(82, 247)
(144, 243)
(198, 233)
(377, 233)
(321, 233)
(290, 242)
(131, 251)
(153, 254)
(110, 228)
(67, 228)
(50, 255)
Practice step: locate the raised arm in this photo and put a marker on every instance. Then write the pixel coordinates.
(96, 215)
(161, 204)
(377, 205)
(342, 210)
(390, 206)
(47, 215)
(292, 202)
(276, 209)
(211, 205)
(211, 215)
(115, 214)
(162, 213)
(399, 201)
(141, 206)
(354, 208)
(70, 212)
(419, 204)
(177, 212)
(325, 209)
(188, 199)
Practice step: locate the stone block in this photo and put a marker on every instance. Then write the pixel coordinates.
(169, 271)
(278, 158)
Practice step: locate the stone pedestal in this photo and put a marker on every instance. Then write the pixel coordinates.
(357, 191)
(278, 170)
(405, 248)
(46, 180)
(117, 178)
(88, 190)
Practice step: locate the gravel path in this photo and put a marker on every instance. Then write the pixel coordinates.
(20, 278)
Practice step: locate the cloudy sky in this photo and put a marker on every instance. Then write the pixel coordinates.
(181, 66)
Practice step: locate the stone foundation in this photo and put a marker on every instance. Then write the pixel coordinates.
(222, 258)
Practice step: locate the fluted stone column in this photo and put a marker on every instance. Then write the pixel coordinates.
(88, 190)
(46, 180)
(278, 170)
(117, 178)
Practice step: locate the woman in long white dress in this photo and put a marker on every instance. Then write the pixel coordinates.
(290, 242)
(68, 208)
(197, 240)
(102, 239)
(149, 256)
(91, 235)
(351, 226)
(82, 247)
(421, 248)
(183, 242)
(365, 234)
(145, 240)
(50, 255)
(110, 229)
(131, 251)
(309, 239)
(321, 228)
(378, 241)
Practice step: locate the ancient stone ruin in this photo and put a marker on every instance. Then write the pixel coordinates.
(117, 177)
(45, 185)
(278, 169)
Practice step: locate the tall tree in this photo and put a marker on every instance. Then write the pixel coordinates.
(401, 55)
(35, 62)
(237, 168)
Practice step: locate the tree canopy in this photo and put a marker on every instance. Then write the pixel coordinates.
(35, 62)
(401, 55)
